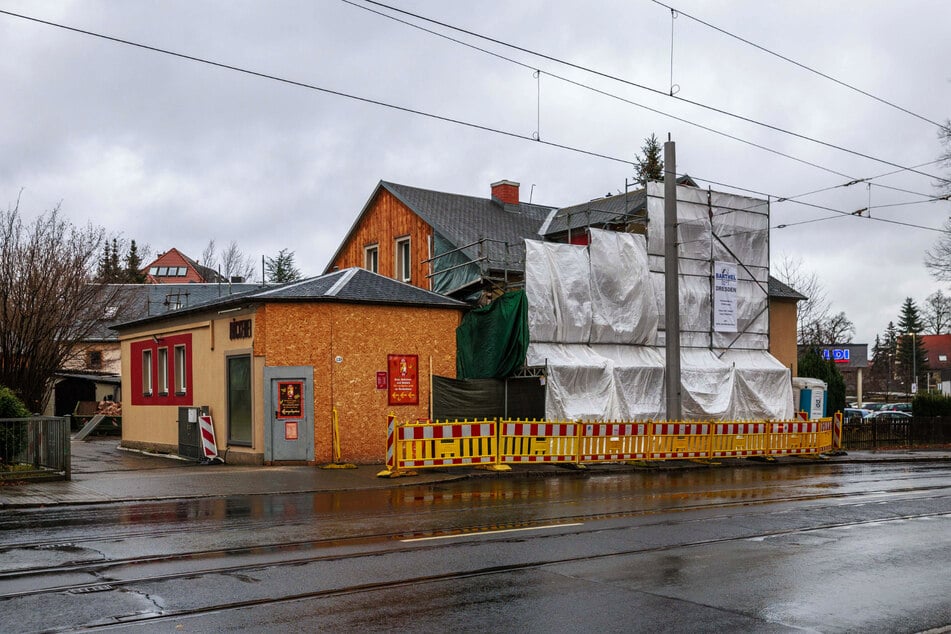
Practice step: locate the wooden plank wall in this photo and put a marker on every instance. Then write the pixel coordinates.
(385, 221)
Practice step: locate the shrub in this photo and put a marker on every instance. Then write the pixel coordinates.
(931, 404)
(13, 438)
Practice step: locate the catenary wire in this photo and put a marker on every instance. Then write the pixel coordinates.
(802, 66)
(852, 180)
(656, 91)
(403, 108)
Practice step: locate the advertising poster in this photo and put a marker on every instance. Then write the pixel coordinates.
(724, 297)
(403, 371)
(290, 395)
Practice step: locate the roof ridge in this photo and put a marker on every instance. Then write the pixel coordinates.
(348, 275)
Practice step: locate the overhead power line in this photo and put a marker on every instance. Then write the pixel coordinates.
(405, 109)
(802, 66)
(588, 87)
(654, 90)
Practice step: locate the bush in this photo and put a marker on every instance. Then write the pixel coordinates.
(13, 438)
(931, 404)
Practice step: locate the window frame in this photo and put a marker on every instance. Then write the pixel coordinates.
(403, 269)
(230, 400)
(180, 369)
(162, 371)
(147, 383)
(374, 250)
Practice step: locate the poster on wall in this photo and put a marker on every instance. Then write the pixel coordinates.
(403, 371)
(290, 399)
(724, 297)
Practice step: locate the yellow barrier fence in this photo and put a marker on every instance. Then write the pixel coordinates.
(498, 444)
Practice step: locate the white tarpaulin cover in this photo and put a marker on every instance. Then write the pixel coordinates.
(594, 314)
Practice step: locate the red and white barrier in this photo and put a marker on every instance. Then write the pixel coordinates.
(209, 447)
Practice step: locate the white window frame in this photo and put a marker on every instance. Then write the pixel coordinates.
(163, 371)
(147, 372)
(404, 261)
(372, 250)
(181, 383)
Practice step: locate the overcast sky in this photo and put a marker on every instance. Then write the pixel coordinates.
(172, 152)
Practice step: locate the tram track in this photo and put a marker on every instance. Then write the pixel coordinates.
(272, 554)
(447, 577)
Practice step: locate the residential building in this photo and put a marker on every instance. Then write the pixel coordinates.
(174, 267)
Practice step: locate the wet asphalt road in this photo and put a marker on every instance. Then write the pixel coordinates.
(803, 547)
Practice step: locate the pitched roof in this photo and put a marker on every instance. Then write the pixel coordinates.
(783, 291)
(138, 301)
(466, 220)
(353, 285)
(937, 347)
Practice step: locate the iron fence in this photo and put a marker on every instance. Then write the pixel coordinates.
(920, 431)
(35, 447)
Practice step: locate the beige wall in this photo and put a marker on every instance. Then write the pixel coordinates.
(155, 426)
(782, 332)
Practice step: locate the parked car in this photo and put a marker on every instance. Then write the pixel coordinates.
(873, 407)
(887, 417)
(899, 407)
(854, 414)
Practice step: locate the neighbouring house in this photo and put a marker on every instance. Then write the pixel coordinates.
(938, 354)
(473, 248)
(93, 373)
(278, 368)
(174, 267)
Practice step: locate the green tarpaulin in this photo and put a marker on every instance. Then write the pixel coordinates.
(492, 341)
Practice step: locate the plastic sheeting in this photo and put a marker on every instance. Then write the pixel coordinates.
(712, 227)
(594, 318)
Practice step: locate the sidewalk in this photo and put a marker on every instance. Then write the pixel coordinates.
(103, 473)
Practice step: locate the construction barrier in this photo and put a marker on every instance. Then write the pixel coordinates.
(740, 440)
(615, 442)
(498, 444)
(533, 441)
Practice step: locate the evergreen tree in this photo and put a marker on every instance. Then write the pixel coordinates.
(811, 364)
(650, 164)
(132, 273)
(912, 360)
(281, 269)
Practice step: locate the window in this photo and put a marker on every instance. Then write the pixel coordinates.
(95, 360)
(182, 271)
(163, 371)
(403, 260)
(162, 271)
(153, 270)
(180, 370)
(371, 258)
(110, 312)
(942, 357)
(147, 372)
(239, 400)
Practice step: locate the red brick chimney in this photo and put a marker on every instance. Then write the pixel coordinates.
(505, 192)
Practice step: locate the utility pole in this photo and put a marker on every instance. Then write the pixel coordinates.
(671, 284)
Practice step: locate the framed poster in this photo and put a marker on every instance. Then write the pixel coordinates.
(381, 380)
(290, 430)
(403, 372)
(290, 399)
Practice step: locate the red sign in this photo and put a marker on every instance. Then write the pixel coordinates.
(290, 399)
(403, 379)
(381, 381)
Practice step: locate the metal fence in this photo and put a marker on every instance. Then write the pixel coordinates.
(36, 447)
(920, 431)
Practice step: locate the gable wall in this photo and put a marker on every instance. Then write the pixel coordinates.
(386, 220)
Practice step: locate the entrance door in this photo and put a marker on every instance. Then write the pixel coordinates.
(289, 434)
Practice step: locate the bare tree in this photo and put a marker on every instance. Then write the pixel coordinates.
(234, 263)
(936, 313)
(208, 255)
(48, 304)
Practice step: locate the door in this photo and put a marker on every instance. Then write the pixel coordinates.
(289, 433)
